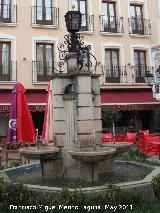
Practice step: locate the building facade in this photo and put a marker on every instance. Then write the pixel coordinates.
(122, 34)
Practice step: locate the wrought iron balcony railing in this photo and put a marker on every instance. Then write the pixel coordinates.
(114, 74)
(42, 71)
(87, 23)
(111, 24)
(140, 72)
(8, 13)
(45, 16)
(139, 26)
(8, 70)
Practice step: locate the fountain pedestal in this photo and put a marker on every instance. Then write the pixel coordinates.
(77, 124)
(94, 162)
(49, 159)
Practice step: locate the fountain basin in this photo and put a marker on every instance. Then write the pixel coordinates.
(90, 155)
(121, 147)
(41, 153)
(127, 179)
(91, 164)
(48, 156)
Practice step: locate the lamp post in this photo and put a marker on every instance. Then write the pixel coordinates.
(73, 21)
(71, 52)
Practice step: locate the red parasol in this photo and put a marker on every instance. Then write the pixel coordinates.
(25, 128)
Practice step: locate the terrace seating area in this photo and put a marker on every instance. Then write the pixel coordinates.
(148, 143)
(10, 152)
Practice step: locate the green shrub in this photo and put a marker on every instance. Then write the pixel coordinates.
(110, 116)
(156, 186)
(19, 195)
(15, 163)
(134, 155)
(1, 167)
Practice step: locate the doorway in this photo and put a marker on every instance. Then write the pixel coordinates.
(38, 119)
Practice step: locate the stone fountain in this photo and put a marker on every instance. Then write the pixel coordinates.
(78, 153)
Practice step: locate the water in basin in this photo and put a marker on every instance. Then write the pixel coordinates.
(124, 172)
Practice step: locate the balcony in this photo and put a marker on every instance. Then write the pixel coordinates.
(139, 26)
(42, 71)
(8, 14)
(45, 16)
(8, 71)
(114, 74)
(140, 72)
(87, 23)
(111, 24)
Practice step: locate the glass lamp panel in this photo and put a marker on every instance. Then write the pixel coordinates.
(75, 21)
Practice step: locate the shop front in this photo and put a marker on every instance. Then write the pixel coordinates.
(138, 108)
(36, 101)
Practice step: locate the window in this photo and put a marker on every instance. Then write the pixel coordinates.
(112, 66)
(140, 65)
(5, 63)
(5, 10)
(81, 5)
(109, 16)
(44, 11)
(137, 21)
(45, 61)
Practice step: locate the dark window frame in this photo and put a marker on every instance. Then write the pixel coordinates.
(136, 19)
(5, 20)
(44, 21)
(5, 77)
(44, 77)
(140, 67)
(109, 28)
(112, 78)
(84, 28)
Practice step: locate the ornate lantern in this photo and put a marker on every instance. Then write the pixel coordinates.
(73, 21)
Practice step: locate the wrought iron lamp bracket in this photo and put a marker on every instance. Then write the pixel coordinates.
(74, 44)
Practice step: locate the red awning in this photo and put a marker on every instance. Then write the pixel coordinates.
(36, 101)
(129, 100)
